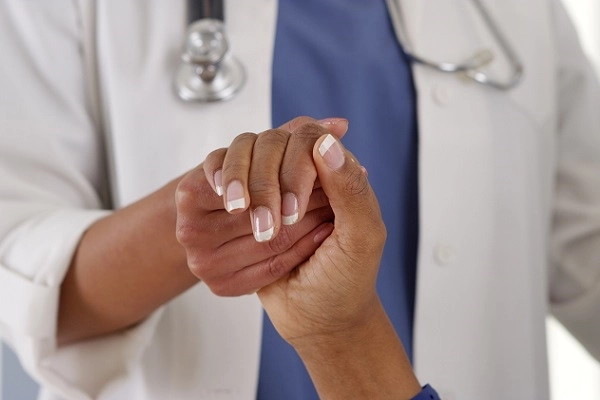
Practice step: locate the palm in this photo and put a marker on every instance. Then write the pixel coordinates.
(325, 293)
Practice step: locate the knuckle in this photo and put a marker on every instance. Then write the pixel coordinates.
(298, 121)
(189, 233)
(235, 167)
(184, 198)
(297, 173)
(192, 192)
(219, 290)
(199, 266)
(273, 137)
(289, 175)
(283, 241)
(185, 233)
(355, 183)
(377, 234)
(375, 240)
(244, 137)
(223, 287)
(310, 130)
(236, 160)
(276, 268)
(262, 187)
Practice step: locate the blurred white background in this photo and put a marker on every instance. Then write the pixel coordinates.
(573, 373)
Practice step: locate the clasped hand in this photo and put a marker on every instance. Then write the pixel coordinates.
(315, 237)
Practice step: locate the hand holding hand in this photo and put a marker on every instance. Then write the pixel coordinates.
(237, 244)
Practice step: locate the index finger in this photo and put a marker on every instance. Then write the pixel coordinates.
(336, 126)
(298, 174)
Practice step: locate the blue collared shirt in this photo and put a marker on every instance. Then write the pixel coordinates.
(340, 58)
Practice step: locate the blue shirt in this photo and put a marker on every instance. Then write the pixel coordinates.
(340, 58)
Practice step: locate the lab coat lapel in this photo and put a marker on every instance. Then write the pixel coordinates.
(483, 168)
(447, 30)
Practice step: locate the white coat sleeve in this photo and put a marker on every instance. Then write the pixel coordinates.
(575, 242)
(52, 175)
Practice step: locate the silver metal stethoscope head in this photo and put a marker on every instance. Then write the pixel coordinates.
(207, 72)
(470, 67)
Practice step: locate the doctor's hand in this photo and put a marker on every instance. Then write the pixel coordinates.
(252, 236)
(132, 256)
(328, 308)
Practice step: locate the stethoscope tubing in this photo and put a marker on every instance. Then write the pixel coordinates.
(202, 9)
(208, 72)
(470, 67)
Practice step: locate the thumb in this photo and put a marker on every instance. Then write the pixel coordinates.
(345, 183)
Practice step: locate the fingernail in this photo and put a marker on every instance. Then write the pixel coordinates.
(327, 122)
(218, 178)
(323, 233)
(289, 209)
(262, 224)
(235, 196)
(364, 171)
(331, 152)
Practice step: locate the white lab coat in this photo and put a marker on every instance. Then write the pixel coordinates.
(509, 192)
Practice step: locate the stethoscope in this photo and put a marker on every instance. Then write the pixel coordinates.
(470, 67)
(209, 72)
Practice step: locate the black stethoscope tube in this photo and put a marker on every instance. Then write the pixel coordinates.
(205, 9)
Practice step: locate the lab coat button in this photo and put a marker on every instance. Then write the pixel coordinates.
(441, 95)
(444, 254)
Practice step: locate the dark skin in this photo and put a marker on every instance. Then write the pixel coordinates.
(327, 307)
(315, 276)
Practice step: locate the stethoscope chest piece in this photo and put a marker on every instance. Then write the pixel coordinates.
(208, 72)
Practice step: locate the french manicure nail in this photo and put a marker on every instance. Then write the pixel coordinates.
(331, 152)
(289, 209)
(235, 196)
(327, 122)
(218, 178)
(331, 121)
(262, 224)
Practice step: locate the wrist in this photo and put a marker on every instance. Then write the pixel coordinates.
(340, 337)
(364, 361)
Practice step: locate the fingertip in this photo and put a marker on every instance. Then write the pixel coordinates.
(236, 197)
(336, 126)
(263, 225)
(331, 152)
(323, 232)
(289, 209)
(212, 166)
(218, 182)
(235, 205)
(292, 125)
